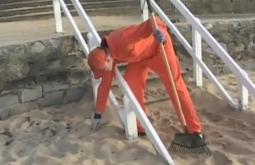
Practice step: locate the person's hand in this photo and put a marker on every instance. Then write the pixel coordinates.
(96, 121)
(159, 36)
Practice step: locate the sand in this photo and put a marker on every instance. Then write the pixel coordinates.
(62, 136)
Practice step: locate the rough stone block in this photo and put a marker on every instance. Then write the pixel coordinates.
(52, 98)
(4, 114)
(23, 108)
(8, 100)
(37, 47)
(31, 94)
(55, 86)
(74, 94)
(17, 109)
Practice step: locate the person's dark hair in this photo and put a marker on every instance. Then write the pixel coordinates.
(104, 45)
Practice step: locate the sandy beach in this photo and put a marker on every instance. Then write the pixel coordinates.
(61, 134)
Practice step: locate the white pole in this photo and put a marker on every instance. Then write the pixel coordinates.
(144, 10)
(57, 16)
(86, 19)
(75, 27)
(197, 47)
(130, 120)
(243, 100)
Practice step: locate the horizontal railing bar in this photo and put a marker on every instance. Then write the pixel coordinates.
(219, 50)
(86, 19)
(75, 27)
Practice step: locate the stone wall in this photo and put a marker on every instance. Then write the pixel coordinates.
(41, 73)
(49, 72)
(211, 6)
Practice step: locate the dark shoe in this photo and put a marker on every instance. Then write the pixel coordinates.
(96, 121)
(141, 133)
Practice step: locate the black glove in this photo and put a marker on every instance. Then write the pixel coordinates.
(96, 121)
(159, 36)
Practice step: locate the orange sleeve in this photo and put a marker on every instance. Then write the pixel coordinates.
(103, 90)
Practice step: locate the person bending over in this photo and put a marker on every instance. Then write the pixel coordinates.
(139, 47)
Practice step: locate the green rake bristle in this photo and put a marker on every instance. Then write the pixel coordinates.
(189, 143)
(195, 150)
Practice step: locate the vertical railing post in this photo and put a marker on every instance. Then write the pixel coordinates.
(197, 49)
(243, 99)
(57, 16)
(129, 120)
(144, 10)
(85, 18)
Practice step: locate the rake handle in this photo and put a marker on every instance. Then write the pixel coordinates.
(179, 110)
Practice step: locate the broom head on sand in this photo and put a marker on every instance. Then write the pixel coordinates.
(190, 143)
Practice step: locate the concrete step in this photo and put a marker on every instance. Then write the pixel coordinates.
(90, 12)
(21, 1)
(91, 3)
(13, 10)
(30, 16)
(25, 10)
(23, 4)
(11, 1)
(46, 8)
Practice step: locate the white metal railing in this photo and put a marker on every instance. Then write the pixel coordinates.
(198, 32)
(123, 112)
(60, 4)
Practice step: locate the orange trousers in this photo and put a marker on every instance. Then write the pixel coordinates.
(137, 74)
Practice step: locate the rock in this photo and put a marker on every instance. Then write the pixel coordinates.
(30, 94)
(37, 48)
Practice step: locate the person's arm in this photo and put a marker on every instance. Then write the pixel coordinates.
(102, 96)
(103, 91)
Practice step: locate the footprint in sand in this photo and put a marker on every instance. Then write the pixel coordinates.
(58, 149)
(234, 123)
(63, 146)
(156, 115)
(219, 158)
(233, 147)
(165, 122)
(212, 116)
(215, 134)
(40, 160)
(244, 161)
(7, 156)
(240, 135)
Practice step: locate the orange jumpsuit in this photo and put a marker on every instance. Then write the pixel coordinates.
(137, 46)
